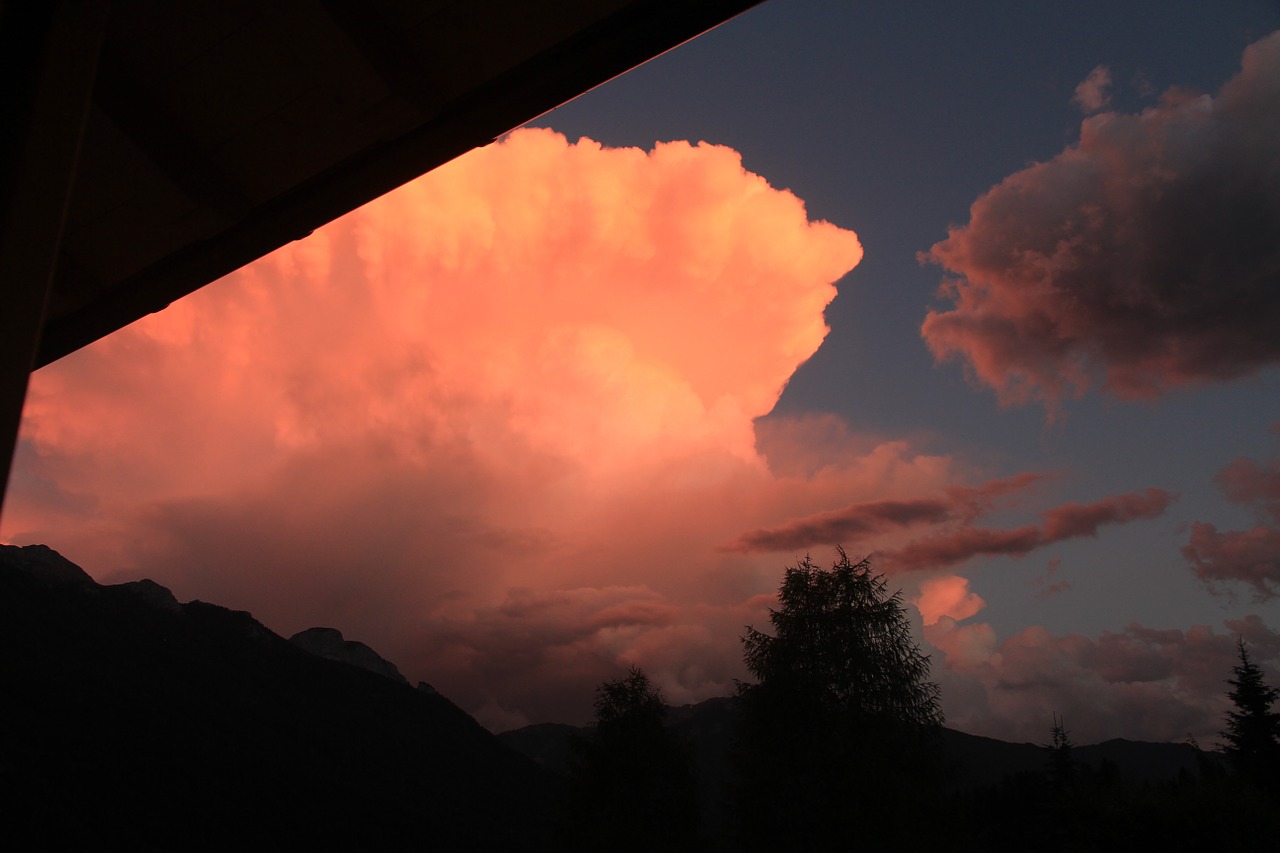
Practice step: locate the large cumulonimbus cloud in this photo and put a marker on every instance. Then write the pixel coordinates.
(1143, 258)
(502, 414)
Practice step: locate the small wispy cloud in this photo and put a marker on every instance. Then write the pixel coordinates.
(1093, 94)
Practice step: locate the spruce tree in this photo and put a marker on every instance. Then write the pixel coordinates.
(1062, 765)
(1252, 736)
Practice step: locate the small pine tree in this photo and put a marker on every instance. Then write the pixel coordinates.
(1252, 736)
(1062, 767)
(632, 778)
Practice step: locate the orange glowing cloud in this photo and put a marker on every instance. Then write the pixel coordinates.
(497, 425)
(536, 368)
(947, 596)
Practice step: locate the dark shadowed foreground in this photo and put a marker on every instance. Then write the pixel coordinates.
(136, 722)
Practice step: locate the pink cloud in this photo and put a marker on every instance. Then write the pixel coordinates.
(1073, 520)
(537, 656)
(1245, 481)
(1092, 95)
(537, 368)
(978, 499)
(953, 538)
(1141, 258)
(806, 445)
(950, 547)
(962, 646)
(1249, 556)
(1138, 683)
(849, 526)
(948, 597)
(1045, 586)
(861, 521)
(1260, 638)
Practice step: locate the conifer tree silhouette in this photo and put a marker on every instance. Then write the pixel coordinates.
(835, 737)
(632, 779)
(1252, 736)
(1062, 766)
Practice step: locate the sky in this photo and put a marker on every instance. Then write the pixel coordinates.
(988, 292)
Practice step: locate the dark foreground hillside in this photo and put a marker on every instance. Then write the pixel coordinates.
(975, 767)
(133, 722)
(994, 796)
(136, 722)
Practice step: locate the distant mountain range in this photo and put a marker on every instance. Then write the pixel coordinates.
(971, 762)
(138, 722)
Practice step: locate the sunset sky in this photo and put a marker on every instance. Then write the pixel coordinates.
(990, 293)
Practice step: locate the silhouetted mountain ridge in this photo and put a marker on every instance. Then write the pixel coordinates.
(329, 643)
(973, 761)
(136, 721)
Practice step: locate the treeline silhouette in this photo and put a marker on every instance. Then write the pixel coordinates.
(837, 745)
